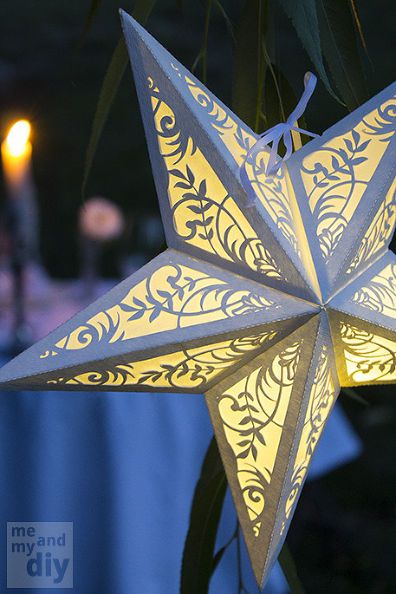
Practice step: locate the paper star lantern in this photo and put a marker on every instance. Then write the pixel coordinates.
(266, 305)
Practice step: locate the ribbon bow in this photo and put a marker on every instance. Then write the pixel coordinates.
(283, 131)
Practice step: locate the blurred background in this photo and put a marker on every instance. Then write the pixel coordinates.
(53, 57)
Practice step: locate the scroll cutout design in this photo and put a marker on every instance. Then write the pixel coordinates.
(188, 369)
(274, 194)
(379, 294)
(253, 413)
(204, 214)
(368, 356)
(336, 175)
(320, 403)
(172, 297)
(379, 232)
(272, 190)
(236, 138)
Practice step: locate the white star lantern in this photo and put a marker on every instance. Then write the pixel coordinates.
(267, 304)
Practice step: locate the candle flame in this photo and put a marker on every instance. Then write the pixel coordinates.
(18, 137)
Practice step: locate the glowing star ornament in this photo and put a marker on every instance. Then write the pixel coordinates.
(269, 297)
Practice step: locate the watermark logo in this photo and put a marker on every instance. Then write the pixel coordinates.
(39, 554)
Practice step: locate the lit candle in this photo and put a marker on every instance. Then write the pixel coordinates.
(22, 219)
(16, 152)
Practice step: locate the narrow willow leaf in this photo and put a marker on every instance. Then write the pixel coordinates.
(91, 14)
(351, 393)
(110, 85)
(249, 65)
(107, 94)
(227, 19)
(220, 553)
(304, 18)
(142, 10)
(289, 569)
(198, 555)
(356, 17)
(340, 48)
(274, 94)
(202, 56)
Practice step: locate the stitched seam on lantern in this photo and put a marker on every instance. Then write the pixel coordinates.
(250, 326)
(290, 456)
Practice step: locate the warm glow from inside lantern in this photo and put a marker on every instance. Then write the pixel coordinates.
(17, 140)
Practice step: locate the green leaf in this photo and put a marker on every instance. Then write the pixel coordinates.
(142, 10)
(107, 94)
(110, 85)
(276, 88)
(220, 553)
(249, 65)
(279, 97)
(202, 56)
(199, 560)
(227, 19)
(351, 393)
(304, 18)
(289, 569)
(91, 14)
(339, 40)
(359, 28)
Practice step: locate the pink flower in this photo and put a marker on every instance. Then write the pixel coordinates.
(100, 219)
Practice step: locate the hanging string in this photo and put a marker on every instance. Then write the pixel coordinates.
(273, 135)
